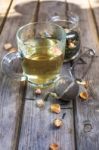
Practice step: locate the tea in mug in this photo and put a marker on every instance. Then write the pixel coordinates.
(42, 60)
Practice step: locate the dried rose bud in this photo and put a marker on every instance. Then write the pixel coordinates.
(84, 83)
(54, 146)
(57, 123)
(40, 103)
(71, 45)
(38, 91)
(13, 49)
(55, 108)
(7, 46)
(84, 95)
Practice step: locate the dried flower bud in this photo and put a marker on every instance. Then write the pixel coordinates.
(84, 83)
(13, 49)
(40, 103)
(54, 146)
(7, 46)
(84, 95)
(57, 123)
(71, 45)
(38, 91)
(55, 108)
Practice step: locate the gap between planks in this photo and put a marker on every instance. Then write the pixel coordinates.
(5, 17)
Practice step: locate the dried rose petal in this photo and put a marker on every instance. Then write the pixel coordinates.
(55, 108)
(40, 103)
(38, 91)
(7, 46)
(54, 146)
(57, 123)
(84, 95)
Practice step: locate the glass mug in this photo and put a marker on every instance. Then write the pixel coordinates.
(70, 23)
(41, 48)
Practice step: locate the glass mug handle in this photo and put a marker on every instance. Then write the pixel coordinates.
(11, 66)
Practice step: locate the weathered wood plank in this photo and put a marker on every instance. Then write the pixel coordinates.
(87, 25)
(4, 9)
(11, 92)
(37, 131)
(55, 8)
(86, 113)
(11, 96)
(37, 128)
(94, 4)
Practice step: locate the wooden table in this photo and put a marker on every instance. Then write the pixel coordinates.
(23, 126)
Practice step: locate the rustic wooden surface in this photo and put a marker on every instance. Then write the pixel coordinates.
(11, 92)
(22, 124)
(39, 126)
(4, 9)
(86, 113)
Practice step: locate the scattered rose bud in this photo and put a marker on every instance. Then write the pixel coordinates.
(38, 91)
(57, 123)
(84, 95)
(7, 46)
(54, 146)
(13, 49)
(55, 108)
(40, 103)
(84, 83)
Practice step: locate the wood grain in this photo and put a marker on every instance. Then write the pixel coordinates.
(94, 4)
(12, 92)
(86, 113)
(53, 8)
(87, 25)
(4, 9)
(37, 131)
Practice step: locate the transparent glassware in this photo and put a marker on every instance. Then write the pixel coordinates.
(41, 48)
(66, 87)
(70, 23)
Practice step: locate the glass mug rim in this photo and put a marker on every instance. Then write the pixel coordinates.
(34, 23)
(57, 19)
